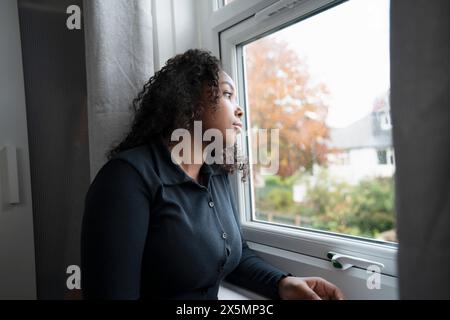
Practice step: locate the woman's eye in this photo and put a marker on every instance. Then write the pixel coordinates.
(228, 94)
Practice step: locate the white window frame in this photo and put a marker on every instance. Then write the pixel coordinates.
(238, 23)
(217, 4)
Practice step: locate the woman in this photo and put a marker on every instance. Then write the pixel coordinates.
(156, 228)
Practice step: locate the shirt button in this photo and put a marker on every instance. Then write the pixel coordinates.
(224, 235)
(211, 204)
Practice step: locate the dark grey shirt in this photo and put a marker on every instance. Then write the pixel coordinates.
(150, 231)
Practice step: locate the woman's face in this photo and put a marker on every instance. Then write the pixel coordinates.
(227, 116)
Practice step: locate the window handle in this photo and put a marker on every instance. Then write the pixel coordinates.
(344, 262)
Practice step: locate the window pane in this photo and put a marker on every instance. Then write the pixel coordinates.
(324, 83)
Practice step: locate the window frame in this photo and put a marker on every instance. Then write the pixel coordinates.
(219, 4)
(235, 25)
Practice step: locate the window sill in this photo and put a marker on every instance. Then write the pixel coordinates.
(228, 291)
(317, 244)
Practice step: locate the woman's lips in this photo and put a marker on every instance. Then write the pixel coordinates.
(238, 126)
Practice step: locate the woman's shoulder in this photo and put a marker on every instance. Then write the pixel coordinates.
(143, 158)
(135, 164)
(116, 171)
(136, 156)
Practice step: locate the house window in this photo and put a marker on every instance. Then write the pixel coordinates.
(385, 120)
(391, 158)
(382, 157)
(318, 81)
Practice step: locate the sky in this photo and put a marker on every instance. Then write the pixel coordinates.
(347, 48)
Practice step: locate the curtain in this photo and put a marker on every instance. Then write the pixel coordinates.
(55, 90)
(420, 98)
(79, 85)
(119, 60)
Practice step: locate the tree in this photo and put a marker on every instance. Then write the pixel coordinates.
(281, 95)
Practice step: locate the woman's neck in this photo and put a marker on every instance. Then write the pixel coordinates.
(192, 170)
(192, 167)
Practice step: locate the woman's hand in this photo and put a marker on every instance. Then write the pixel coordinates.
(314, 288)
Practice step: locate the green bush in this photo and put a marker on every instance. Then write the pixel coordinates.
(365, 209)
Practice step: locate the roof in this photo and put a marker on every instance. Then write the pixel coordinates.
(364, 133)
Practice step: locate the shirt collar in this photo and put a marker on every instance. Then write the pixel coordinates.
(171, 173)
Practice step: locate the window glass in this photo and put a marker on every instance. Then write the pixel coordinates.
(323, 83)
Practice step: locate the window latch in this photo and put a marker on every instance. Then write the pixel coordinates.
(344, 262)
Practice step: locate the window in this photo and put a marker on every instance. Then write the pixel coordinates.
(391, 157)
(382, 156)
(385, 120)
(241, 25)
(386, 157)
(321, 82)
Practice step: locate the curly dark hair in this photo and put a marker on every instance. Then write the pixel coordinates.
(174, 98)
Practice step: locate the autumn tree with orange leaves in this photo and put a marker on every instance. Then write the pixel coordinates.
(281, 95)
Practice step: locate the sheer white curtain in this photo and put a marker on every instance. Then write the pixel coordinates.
(119, 59)
(420, 52)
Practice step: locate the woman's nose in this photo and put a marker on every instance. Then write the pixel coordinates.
(239, 112)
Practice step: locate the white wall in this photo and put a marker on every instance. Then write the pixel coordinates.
(363, 163)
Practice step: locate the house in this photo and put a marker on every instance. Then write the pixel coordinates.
(364, 148)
